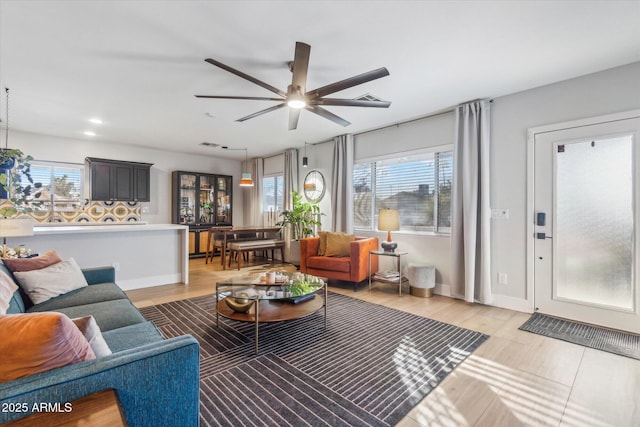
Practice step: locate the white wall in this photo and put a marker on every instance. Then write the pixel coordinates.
(158, 211)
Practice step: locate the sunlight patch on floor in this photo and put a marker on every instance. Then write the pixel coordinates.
(483, 392)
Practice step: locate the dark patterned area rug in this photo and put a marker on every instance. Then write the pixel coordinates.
(368, 368)
(615, 342)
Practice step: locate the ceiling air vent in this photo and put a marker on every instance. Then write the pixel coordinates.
(368, 97)
(210, 144)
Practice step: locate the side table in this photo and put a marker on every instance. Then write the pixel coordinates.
(398, 256)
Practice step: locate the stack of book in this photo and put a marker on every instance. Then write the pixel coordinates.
(387, 276)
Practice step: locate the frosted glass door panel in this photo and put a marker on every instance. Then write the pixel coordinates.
(593, 229)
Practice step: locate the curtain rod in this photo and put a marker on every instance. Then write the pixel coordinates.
(437, 113)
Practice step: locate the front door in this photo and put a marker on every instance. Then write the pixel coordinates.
(586, 196)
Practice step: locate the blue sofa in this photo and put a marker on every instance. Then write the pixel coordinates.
(156, 379)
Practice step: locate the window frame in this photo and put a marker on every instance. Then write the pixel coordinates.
(443, 148)
(53, 165)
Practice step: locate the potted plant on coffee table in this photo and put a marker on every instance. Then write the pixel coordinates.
(301, 220)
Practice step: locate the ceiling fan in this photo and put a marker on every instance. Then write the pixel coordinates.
(297, 97)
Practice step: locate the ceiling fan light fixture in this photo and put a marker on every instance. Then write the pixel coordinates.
(296, 103)
(295, 98)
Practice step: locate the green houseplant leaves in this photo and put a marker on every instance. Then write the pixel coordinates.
(301, 218)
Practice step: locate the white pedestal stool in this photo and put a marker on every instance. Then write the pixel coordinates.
(422, 279)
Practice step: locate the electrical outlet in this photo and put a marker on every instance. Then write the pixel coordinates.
(502, 278)
(116, 265)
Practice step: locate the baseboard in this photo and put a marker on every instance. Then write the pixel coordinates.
(501, 301)
(149, 281)
(512, 303)
(442, 289)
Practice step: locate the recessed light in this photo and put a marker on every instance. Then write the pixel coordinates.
(210, 115)
(89, 133)
(96, 121)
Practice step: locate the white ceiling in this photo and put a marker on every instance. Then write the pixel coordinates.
(138, 64)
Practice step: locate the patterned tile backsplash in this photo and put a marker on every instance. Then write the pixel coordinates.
(88, 212)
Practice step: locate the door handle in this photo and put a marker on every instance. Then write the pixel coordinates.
(542, 236)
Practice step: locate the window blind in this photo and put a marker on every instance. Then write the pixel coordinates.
(418, 186)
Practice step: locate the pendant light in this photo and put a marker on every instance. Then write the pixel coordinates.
(305, 159)
(246, 180)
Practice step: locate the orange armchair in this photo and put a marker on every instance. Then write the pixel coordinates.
(354, 268)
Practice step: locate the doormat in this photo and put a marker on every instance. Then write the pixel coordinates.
(615, 342)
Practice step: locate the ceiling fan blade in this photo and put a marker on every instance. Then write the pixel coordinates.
(301, 66)
(261, 112)
(246, 77)
(347, 83)
(350, 102)
(327, 115)
(294, 116)
(253, 98)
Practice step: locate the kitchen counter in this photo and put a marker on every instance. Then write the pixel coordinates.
(143, 254)
(90, 227)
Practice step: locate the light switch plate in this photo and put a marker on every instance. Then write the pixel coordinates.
(500, 213)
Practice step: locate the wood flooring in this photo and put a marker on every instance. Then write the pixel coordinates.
(514, 379)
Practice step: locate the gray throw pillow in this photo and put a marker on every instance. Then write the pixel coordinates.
(46, 283)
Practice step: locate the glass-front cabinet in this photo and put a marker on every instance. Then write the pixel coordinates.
(201, 201)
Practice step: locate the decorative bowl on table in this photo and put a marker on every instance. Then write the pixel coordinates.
(240, 303)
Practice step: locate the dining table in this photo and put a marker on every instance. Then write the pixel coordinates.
(230, 233)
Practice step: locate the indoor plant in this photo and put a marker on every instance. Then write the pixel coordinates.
(301, 220)
(20, 192)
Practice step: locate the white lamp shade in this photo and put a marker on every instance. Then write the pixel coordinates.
(388, 220)
(14, 227)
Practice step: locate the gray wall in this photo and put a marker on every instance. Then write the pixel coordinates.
(596, 94)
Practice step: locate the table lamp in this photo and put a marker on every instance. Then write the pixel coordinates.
(389, 220)
(14, 227)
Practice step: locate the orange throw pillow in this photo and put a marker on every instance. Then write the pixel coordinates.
(339, 244)
(35, 263)
(37, 342)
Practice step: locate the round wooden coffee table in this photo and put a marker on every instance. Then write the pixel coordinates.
(271, 302)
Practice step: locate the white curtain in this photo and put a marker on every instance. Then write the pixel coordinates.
(342, 184)
(252, 196)
(290, 177)
(471, 211)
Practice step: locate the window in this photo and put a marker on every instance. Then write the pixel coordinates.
(419, 186)
(61, 182)
(272, 193)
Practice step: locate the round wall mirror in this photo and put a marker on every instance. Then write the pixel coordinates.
(314, 186)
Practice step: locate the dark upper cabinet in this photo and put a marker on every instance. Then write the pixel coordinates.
(142, 185)
(118, 180)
